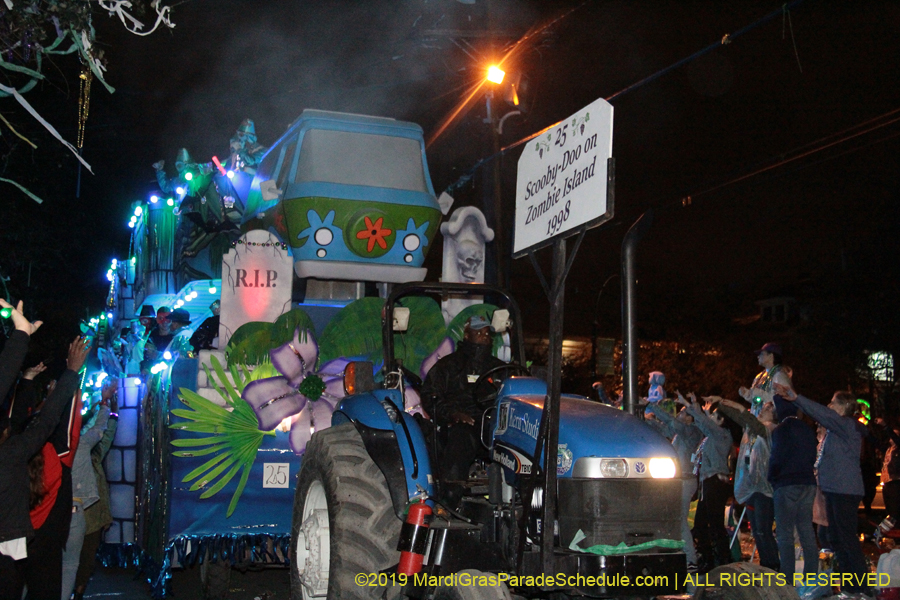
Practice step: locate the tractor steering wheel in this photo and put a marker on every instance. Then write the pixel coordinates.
(519, 368)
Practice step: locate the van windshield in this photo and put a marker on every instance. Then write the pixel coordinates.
(361, 159)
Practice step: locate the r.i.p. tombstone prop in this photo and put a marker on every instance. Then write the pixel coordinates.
(256, 282)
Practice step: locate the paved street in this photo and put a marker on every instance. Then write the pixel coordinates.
(267, 584)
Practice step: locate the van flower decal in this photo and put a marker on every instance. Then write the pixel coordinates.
(374, 233)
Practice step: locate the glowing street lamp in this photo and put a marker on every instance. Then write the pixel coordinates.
(495, 74)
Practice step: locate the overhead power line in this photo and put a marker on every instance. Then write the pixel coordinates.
(726, 39)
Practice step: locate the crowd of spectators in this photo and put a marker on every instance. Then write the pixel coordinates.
(52, 486)
(797, 463)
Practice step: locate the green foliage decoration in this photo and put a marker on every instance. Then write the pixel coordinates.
(234, 436)
(288, 323)
(354, 331)
(251, 342)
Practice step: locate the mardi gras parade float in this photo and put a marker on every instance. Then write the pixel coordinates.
(266, 251)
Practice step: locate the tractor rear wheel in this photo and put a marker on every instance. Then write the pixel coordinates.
(343, 523)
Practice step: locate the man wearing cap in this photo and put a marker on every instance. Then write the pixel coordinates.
(761, 391)
(450, 396)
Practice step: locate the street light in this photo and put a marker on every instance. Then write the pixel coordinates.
(493, 98)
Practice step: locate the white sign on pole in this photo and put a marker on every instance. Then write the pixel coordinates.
(561, 185)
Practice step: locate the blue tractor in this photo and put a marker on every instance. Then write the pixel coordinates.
(617, 481)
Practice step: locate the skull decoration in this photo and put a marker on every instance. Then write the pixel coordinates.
(470, 261)
(465, 235)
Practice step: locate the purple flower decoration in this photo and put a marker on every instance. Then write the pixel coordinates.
(444, 348)
(306, 396)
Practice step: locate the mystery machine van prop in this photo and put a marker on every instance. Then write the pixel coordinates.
(347, 189)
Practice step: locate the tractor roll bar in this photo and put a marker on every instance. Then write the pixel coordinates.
(444, 289)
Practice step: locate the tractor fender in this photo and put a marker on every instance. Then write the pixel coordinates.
(394, 441)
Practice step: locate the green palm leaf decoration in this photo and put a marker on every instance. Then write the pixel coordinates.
(234, 436)
(354, 331)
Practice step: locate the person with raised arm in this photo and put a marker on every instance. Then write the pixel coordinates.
(839, 477)
(711, 464)
(16, 449)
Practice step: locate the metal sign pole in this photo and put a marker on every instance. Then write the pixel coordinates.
(554, 386)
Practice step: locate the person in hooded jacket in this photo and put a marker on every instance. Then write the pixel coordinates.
(711, 464)
(685, 438)
(792, 475)
(450, 396)
(840, 478)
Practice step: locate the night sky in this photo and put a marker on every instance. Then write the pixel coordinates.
(823, 222)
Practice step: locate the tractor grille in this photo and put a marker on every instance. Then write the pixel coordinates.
(611, 511)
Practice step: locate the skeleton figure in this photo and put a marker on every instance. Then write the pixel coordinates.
(465, 235)
(244, 149)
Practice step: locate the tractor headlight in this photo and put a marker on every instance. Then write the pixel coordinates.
(613, 467)
(662, 468)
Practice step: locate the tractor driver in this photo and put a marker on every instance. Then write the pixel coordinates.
(450, 396)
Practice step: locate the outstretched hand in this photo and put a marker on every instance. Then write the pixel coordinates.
(108, 396)
(724, 402)
(19, 320)
(78, 353)
(32, 372)
(785, 392)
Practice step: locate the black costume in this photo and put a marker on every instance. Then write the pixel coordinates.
(450, 388)
(205, 334)
(15, 452)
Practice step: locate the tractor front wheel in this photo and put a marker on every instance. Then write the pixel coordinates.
(344, 528)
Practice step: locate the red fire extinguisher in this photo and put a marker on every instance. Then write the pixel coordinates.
(412, 539)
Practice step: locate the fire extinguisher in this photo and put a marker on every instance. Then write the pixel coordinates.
(412, 539)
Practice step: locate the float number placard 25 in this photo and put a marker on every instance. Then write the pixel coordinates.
(276, 475)
(562, 178)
